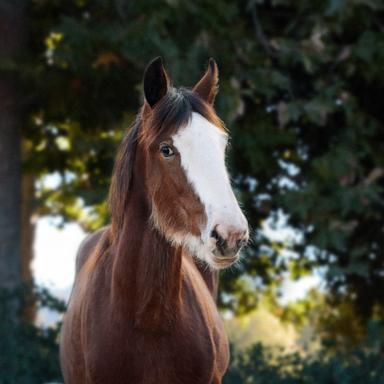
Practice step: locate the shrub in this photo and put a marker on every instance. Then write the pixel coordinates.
(363, 364)
(28, 353)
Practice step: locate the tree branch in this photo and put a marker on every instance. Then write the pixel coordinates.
(260, 35)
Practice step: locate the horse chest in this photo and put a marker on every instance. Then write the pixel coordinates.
(194, 350)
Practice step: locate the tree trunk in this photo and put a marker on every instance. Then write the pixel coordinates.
(27, 237)
(27, 226)
(12, 25)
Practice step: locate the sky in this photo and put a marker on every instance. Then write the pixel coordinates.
(55, 252)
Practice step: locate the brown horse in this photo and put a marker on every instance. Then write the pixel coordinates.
(142, 310)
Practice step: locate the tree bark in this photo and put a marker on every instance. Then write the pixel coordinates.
(27, 238)
(27, 226)
(12, 37)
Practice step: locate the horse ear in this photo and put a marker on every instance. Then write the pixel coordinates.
(156, 82)
(207, 87)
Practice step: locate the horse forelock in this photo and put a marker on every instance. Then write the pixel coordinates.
(173, 112)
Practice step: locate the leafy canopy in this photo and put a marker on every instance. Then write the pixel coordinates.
(301, 86)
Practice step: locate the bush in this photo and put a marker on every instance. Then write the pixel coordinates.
(363, 364)
(28, 353)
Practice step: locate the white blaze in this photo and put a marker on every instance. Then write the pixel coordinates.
(202, 150)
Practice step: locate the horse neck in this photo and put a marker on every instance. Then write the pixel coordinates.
(146, 273)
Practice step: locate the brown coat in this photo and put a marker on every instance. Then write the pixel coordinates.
(176, 335)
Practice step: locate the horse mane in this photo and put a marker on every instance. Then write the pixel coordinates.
(122, 177)
(173, 111)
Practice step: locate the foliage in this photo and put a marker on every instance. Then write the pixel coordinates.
(259, 365)
(300, 89)
(28, 353)
(321, 320)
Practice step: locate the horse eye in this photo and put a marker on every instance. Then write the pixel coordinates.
(166, 150)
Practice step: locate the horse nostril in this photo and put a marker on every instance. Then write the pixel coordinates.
(214, 234)
(221, 243)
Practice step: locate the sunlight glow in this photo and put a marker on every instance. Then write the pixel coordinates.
(55, 253)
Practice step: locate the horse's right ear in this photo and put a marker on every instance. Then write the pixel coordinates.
(207, 87)
(156, 82)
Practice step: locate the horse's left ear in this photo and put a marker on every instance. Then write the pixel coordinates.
(156, 82)
(207, 87)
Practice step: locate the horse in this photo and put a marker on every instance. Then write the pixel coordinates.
(143, 306)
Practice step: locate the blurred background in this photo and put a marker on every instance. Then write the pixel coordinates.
(301, 91)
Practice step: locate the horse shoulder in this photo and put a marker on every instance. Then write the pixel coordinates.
(72, 353)
(88, 246)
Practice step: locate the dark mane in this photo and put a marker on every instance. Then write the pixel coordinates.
(173, 111)
(122, 176)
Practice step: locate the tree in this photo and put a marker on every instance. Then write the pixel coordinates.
(300, 90)
(12, 42)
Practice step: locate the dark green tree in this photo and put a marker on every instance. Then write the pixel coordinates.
(300, 91)
(12, 42)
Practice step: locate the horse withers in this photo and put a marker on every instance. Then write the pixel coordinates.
(142, 309)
